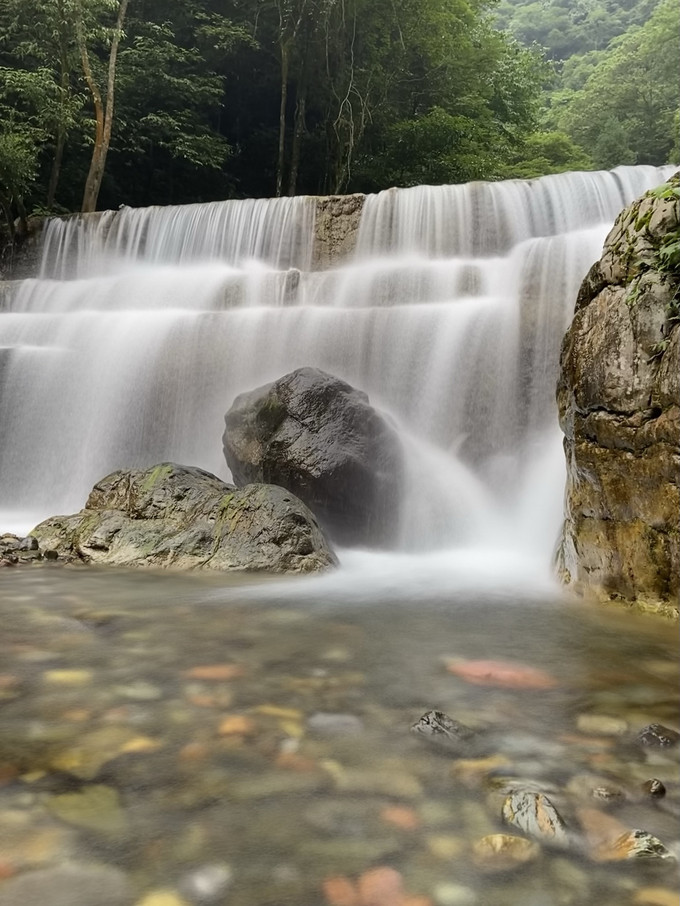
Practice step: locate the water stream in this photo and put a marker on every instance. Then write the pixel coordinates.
(145, 324)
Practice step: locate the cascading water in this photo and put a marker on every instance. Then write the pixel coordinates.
(145, 324)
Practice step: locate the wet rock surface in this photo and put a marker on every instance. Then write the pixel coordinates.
(203, 739)
(321, 439)
(618, 398)
(181, 517)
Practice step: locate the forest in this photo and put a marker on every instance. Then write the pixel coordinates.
(137, 102)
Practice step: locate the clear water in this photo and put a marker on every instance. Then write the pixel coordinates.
(286, 804)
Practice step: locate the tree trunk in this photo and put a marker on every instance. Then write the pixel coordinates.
(298, 131)
(60, 143)
(282, 119)
(103, 110)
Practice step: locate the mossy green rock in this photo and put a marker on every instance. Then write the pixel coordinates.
(184, 518)
(619, 406)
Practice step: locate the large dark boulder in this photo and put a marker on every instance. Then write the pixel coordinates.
(185, 518)
(321, 439)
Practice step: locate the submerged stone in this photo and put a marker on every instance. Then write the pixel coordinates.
(502, 852)
(658, 736)
(68, 885)
(443, 732)
(535, 814)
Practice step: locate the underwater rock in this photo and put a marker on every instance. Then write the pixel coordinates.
(535, 814)
(320, 438)
(502, 852)
(654, 788)
(181, 517)
(443, 732)
(68, 885)
(657, 736)
(634, 844)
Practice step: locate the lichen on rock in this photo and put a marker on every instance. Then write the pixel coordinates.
(619, 406)
(184, 518)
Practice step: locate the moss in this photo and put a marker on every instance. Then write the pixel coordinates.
(155, 475)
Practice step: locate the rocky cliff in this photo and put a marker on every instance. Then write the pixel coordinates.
(619, 406)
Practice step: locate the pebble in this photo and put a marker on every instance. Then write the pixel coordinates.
(340, 891)
(68, 677)
(95, 807)
(381, 886)
(162, 897)
(535, 814)
(601, 724)
(590, 786)
(237, 725)
(454, 895)
(207, 883)
(139, 691)
(656, 896)
(658, 736)
(654, 788)
(401, 817)
(68, 885)
(505, 674)
(502, 852)
(445, 846)
(215, 672)
(322, 724)
(634, 844)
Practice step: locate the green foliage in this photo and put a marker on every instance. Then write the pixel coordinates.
(546, 152)
(626, 110)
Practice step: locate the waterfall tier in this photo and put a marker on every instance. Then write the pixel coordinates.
(145, 324)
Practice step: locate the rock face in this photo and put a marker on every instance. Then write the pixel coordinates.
(619, 399)
(336, 227)
(185, 518)
(317, 436)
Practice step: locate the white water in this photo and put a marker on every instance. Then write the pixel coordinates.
(145, 324)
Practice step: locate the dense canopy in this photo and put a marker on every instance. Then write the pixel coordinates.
(109, 102)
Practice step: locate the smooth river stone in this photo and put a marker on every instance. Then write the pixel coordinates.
(535, 814)
(68, 885)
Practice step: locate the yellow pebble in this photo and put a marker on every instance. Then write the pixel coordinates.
(445, 847)
(162, 898)
(141, 744)
(656, 896)
(276, 711)
(292, 728)
(68, 677)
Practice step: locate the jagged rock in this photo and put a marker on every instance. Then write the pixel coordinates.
(321, 439)
(618, 397)
(634, 844)
(535, 814)
(443, 732)
(658, 736)
(182, 517)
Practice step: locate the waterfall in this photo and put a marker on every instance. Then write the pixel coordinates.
(144, 324)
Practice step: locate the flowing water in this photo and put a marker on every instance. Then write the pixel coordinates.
(243, 741)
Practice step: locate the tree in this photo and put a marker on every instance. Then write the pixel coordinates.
(103, 103)
(625, 112)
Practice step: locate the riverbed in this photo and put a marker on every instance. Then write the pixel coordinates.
(169, 739)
